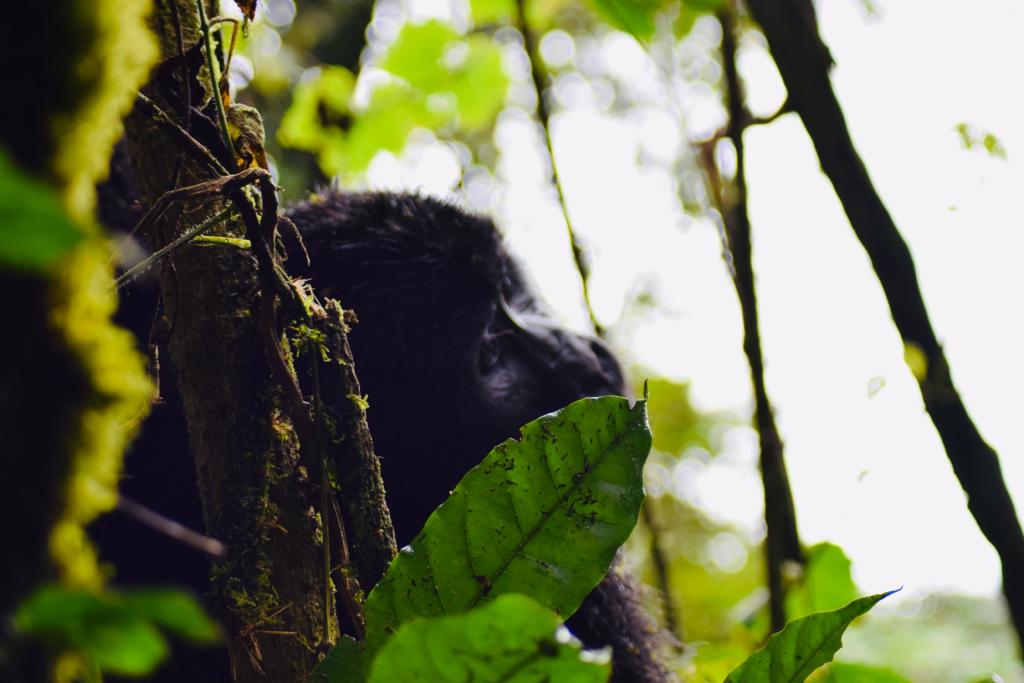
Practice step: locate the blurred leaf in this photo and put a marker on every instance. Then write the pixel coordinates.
(827, 582)
(440, 79)
(792, 654)
(690, 11)
(635, 17)
(845, 672)
(173, 610)
(714, 661)
(480, 83)
(345, 662)
(542, 516)
(36, 230)
(510, 639)
(116, 632)
(486, 12)
(417, 53)
(317, 104)
(972, 137)
(394, 111)
(676, 424)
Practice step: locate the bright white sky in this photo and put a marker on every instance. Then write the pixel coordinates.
(868, 470)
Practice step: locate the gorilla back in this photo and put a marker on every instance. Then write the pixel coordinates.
(455, 355)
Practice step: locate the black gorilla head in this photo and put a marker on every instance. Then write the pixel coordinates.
(451, 347)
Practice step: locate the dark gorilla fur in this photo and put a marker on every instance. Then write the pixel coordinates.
(455, 355)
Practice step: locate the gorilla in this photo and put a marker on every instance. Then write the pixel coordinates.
(454, 353)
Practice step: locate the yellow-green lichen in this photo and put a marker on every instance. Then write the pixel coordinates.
(107, 75)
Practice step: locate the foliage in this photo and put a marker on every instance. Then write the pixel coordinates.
(972, 137)
(439, 80)
(938, 638)
(116, 633)
(676, 423)
(793, 653)
(37, 232)
(542, 516)
(827, 583)
(510, 639)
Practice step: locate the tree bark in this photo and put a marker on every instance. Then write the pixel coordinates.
(256, 497)
(804, 62)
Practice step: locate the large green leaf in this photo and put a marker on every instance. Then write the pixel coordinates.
(347, 662)
(510, 639)
(35, 231)
(542, 516)
(802, 646)
(116, 632)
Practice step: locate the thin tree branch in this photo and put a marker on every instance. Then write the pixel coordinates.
(804, 63)
(168, 527)
(198, 150)
(782, 543)
(211, 64)
(183, 238)
(659, 560)
(544, 116)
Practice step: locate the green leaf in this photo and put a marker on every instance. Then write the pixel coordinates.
(318, 103)
(480, 83)
(174, 611)
(486, 12)
(394, 111)
(636, 17)
(417, 54)
(510, 639)
(802, 646)
(346, 662)
(542, 516)
(973, 137)
(690, 11)
(117, 633)
(844, 672)
(827, 582)
(676, 424)
(35, 231)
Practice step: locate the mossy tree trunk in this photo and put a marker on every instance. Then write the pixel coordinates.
(256, 497)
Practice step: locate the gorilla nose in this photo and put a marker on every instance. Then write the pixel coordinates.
(587, 366)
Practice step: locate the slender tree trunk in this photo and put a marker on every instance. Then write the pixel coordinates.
(256, 498)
